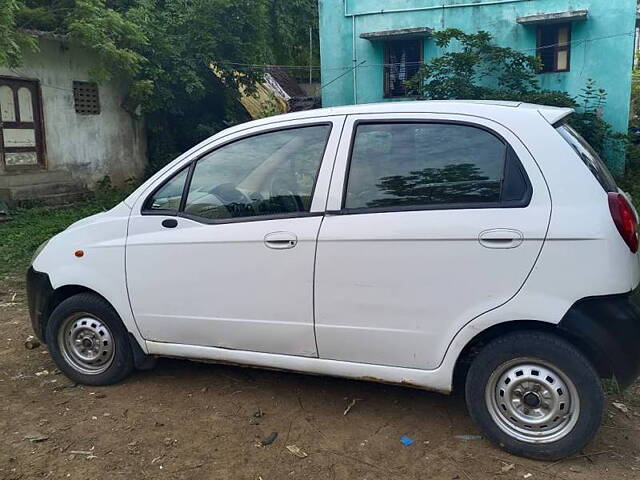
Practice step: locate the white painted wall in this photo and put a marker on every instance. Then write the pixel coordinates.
(89, 146)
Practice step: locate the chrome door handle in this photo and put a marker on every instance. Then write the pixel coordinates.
(501, 238)
(280, 240)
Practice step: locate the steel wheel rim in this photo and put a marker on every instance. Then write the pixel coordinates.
(532, 401)
(86, 344)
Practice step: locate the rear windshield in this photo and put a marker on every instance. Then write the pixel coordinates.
(589, 156)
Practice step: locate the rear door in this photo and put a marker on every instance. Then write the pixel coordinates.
(433, 220)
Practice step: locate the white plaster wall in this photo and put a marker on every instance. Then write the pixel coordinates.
(89, 146)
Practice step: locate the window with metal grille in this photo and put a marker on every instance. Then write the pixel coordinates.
(402, 60)
(86, 98)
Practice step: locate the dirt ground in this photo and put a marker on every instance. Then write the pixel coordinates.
(187, 420)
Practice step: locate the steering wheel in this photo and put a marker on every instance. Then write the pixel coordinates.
(229, 196)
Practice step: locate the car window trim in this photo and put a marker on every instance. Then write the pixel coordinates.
(523, 203)
(191, 165)
(254, 218)
(145, 210)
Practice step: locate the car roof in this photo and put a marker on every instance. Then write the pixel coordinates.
(483, 108)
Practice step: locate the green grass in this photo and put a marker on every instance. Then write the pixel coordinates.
(28, 228)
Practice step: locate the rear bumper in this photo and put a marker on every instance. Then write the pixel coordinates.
(39, 292)
(608, 327)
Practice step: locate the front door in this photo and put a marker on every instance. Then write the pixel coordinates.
(439, 220)
(222, 254)
(21, 132)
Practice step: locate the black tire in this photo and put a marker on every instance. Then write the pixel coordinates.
(92, 306)
(559, 355)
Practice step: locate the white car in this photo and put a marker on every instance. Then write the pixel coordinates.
(427, 244)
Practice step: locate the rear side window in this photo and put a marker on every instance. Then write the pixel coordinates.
(589, 156)
(432, 165)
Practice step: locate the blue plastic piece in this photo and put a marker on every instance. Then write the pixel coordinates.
(406, 441)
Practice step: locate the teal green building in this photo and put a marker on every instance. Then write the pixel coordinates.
(370, 47)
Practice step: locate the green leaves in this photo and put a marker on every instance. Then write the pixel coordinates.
(12, 42)
(163, 50)
(474, 68)
(111, 35)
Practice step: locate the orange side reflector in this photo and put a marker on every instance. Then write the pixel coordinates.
(79, 253)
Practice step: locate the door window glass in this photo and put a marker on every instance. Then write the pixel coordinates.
(168, 197)
(269, 174)
(413, 164)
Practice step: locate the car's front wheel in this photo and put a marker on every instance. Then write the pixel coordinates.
(535, 395)
(88, 341)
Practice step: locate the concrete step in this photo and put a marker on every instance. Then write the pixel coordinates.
(59, 199)
(32, 178)
(50, 193)
(30, 192)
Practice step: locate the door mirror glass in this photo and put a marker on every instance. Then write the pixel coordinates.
(268, 174)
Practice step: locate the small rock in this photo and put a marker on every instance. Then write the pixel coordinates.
(258, 414)
(169, 442)
(527, 475)
(42, 373)
(31, 343)
(507, 468)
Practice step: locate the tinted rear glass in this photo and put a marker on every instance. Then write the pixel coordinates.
(424, 164)
(589, 156)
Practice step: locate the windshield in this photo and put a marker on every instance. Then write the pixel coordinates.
(589, 156)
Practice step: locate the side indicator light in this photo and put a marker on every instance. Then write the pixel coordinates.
(79, 253)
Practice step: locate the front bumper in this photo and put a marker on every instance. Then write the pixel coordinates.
(608, 328)
(39, 293)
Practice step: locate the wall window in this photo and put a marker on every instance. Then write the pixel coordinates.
(400, 165)
(268, 174)
(554, 47)
(86, 98)
(21, 128)
(402, 60)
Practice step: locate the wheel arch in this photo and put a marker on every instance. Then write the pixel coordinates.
(58, 296)
(141, 359)
(471, 349)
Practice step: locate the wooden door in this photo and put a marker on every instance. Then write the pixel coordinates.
(21, 128)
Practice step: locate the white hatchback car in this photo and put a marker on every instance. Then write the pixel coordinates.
(427, 244)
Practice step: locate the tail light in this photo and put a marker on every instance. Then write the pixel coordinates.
(625, 219)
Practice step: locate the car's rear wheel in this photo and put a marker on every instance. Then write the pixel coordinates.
(535, 395)
(88, 341)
